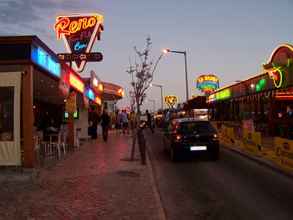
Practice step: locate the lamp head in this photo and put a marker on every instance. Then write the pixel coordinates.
(166, 50)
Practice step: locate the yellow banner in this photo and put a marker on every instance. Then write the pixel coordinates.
(284, 151)
(252, 141)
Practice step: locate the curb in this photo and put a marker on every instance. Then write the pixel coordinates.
(162, 211)
(260, 161)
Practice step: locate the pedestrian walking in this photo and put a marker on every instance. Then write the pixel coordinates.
(105, 122)
(124, 119)
(149, 121)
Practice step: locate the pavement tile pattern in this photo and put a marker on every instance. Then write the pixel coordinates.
(95, 182)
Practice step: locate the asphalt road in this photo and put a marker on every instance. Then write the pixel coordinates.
(233, 188)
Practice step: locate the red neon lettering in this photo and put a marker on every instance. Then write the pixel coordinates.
(60, 26)
(67, 27)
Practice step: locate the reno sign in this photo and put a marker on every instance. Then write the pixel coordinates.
(79, 33)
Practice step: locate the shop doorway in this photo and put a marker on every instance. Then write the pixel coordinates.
(10, 86)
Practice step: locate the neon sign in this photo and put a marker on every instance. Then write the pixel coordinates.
(277, 76)
(261, 84)
(224, 94)
(90, 94)
(171, 100)
(98, 100)
(66, 26)
(79, 33)
(207, 83)
(79, 46)
(76, 82)
(46, 61)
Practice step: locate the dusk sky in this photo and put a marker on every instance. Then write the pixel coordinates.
(228, 38)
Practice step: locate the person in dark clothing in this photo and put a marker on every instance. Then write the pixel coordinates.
(95, 122)
(149, 122)
(105, 122)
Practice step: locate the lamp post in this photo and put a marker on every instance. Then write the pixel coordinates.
(185, 60)
(161, 87)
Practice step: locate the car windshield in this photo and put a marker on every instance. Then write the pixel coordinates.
(196, 127)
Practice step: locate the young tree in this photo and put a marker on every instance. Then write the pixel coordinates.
(142, 73)
(141, 77)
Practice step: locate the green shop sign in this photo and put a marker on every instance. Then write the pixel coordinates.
(261, 84)
(224, 94)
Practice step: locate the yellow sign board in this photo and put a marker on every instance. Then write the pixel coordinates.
(284, 151)
(171, 100)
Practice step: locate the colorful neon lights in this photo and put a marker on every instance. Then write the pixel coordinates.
(98, 100)
(277, 76)
(79, 46)
(171, 100)
(207, 83)
(261, 84)
(79, 33)
(101, 87)
(76, 82)
(66, 26)
(120, 92)
(90, 94)
(43, 59)
(223, 94)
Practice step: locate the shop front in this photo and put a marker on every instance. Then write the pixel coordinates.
(109, 94)
(263, 102)
(34, 89)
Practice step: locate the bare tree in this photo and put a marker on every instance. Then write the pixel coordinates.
(142, 73)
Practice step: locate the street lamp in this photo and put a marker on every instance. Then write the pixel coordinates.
(165, 51)
(161, 87)
(154, 104)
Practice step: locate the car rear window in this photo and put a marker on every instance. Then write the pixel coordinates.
(196, 127)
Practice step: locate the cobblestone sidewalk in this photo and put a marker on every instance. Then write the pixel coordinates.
(96, 182)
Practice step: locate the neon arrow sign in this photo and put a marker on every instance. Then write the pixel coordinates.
(79, 33)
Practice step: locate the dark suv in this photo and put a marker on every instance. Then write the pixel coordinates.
(189, 135)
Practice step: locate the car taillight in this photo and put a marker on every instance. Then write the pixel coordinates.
(215, 137)
(178, 137)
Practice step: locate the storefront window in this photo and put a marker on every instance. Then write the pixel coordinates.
(6, 113)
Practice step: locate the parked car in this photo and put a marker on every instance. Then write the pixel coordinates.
(191, 136)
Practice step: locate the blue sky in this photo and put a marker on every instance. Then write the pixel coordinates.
(229, 38)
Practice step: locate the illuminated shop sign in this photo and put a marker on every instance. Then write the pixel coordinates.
(224, 94)
(76, 82)
(79, 33)
(207, 83)
(98, 100)
(260, 85)
(171, 100)
(277, 75)
(90, 94)
(120, 92)
(46, 61)
(96, 83)
(212, 98)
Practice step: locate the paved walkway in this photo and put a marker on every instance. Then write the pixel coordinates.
(95, 182)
